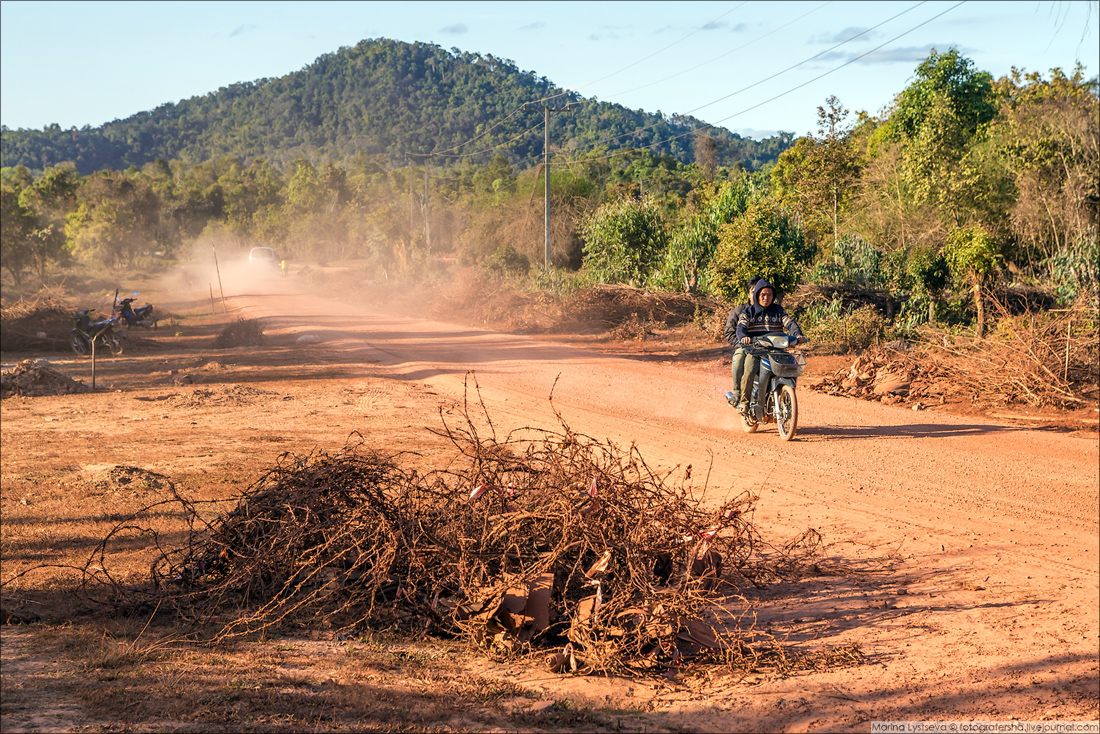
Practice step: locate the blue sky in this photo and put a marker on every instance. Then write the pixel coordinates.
(87, 63)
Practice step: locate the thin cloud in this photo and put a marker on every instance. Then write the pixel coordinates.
(715, 25)
(905, 55)
(456, 29)
(242, 29)
(538, 25)
(740, 28)
(840, 37)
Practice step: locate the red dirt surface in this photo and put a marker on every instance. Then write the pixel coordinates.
(989, 611)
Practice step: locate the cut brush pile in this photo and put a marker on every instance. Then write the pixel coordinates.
(551, 541)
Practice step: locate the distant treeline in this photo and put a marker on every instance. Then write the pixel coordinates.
(379, 98)
(963, 184)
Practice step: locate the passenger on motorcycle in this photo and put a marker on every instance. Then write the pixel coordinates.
(730, 332)
(763, 316)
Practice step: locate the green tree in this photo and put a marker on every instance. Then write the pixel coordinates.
(116, 220)
(623, 240)
(17, 227)
(762, 241)
(972, 255)
(692, 245)
(816, 176)
(1047, 137)
(937, 118)
(50, 199)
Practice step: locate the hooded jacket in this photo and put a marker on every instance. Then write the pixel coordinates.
(757, 320)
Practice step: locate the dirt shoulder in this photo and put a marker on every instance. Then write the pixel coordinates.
(970, 544)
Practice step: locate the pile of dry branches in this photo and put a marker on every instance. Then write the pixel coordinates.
(546, 539)
(890, 375)
(42, 322)
(609, 306)
(1045, 358)
(241, 333)
(1041, 359)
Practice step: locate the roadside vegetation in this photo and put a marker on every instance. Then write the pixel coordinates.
(966, 199)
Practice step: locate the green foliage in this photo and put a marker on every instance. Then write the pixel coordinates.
(938, 119)
(927, 270)
(763, 241)
(971, 253)
(379, 97)
(507, 261)
(948, 79)
(1073, 270)
(845, 328)
(852, 260)
(816, 177)
(1045, 140)
(623, 240)
(692, 245)
(17, 226)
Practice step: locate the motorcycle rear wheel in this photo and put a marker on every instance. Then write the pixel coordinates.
(786, 413)
(113, 343)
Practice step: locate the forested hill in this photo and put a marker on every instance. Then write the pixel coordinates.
(379, 97)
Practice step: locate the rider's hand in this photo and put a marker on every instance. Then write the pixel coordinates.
(801, 340)
(746, 341)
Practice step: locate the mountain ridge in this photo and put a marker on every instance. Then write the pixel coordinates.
(383, 98)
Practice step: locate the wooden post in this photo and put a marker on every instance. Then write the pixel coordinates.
(427, 219)
(213, 308)
(219, 272)
(546, 180)
(1069, 326)
(95, 338)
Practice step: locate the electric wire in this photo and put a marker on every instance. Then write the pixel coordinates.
(782, 94)
(773, 76)
(727, 53)
(658, 51)
(565, 92)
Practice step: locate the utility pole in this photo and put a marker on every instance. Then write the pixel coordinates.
(427, 219)
(546, 180)
(411, 218)
(546, 172)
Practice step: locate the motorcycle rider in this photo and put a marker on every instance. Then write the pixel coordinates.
(762, 316)
(730, 332)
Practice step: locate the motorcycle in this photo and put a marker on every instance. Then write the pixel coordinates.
(142, 317)
(773, 393)
(103, 332)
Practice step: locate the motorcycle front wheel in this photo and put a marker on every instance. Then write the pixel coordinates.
(79, 345)
(786, 412)
(748, 425)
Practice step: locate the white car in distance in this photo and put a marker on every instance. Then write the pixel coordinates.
(262, 256)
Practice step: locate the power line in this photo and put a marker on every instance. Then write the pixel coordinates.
(727, 53)
(783, 94)
(773, 76)
(658, 51)
(565, 92)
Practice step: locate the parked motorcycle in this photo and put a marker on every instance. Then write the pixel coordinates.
(131, 316)
(773, 393)
(103, 332)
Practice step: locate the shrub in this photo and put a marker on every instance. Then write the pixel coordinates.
(623, 240)
(763, 241)
(508, 262)
(844, 329)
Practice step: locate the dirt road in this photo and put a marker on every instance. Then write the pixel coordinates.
(989, 610)
(993, 613)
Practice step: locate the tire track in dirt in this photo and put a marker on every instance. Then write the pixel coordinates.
(995, 525)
